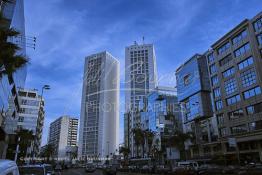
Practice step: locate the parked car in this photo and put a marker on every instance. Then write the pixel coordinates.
(8, 167)
(90, 168)
(251, 170)
(33, 169)
(162, 169)
(210, 169)
(191, 164)
(146, 169)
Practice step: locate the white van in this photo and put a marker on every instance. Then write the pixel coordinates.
(191, 164)
(8, 167)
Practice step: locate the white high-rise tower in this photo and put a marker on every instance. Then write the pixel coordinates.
(140, 79)
(99, 121)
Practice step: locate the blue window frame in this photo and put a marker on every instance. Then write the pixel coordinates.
(232, 100)
(248, 77)
(252, 92)
(223, 48)
(229, 72)
(258, 25)
(245, 63)
(242, 50)
(219, 105)
(239, 37)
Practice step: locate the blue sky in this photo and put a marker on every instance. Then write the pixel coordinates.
(67, 31)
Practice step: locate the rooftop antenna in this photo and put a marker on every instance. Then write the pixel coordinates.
(143, 40)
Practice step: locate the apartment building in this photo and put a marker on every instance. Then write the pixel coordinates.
(235, 70)
(63, 137)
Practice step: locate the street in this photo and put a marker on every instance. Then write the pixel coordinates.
(79, 171)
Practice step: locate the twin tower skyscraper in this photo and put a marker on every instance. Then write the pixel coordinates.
(100, 106)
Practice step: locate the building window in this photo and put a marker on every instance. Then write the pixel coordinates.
(230, 86)
(254, 109)
(252, 92)
(229, 72)
(248, 77)
(213, 68)
(233, 100)
(187, 79)
(255, 125)
(240, 37)
(242, 50)
(236, 114)
(214, 80)
(226, 60)
(217, 92)
(258, 25)
(239, 129)
(223, 132)
(219, 105)
(247, 62)
(259, 39)
(220, 119)
(224, 48)
(210, 58)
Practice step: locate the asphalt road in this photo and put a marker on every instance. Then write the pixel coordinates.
(80, 171)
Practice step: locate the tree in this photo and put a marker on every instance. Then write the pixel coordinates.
(125, 151)
(179, 138)
(139, 138)
(149, 136)
(25, 140)
(48, 152)
(10, 62)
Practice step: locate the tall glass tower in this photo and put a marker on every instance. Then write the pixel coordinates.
(140, 80)
(99, 121)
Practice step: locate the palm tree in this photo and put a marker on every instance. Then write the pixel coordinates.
(149, 136)
(48, 152)
(10, 62)
(179, 138)
(125, 151)
(25, 140)
(138, 137)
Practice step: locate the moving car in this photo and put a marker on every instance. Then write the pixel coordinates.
(33, 169)
(8, 167)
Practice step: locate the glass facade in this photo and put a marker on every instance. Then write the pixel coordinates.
(9, 85)
(192, 80)
(159, 105)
